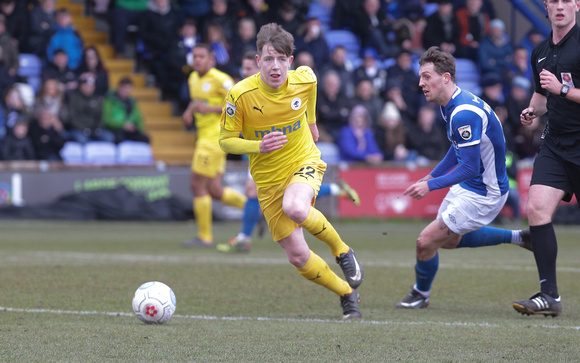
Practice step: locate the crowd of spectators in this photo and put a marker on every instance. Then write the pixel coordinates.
(369, 105)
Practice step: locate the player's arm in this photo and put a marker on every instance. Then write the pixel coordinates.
(231, 143)
(467, 168)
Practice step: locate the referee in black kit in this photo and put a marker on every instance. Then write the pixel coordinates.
(556, 175)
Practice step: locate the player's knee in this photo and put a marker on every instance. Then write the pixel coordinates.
(424, 246)
(537, 212)
(295, 211)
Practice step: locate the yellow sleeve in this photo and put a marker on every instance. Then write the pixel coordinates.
(311, 107)
(231, 143)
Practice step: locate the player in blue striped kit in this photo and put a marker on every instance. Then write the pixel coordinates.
(474, 168)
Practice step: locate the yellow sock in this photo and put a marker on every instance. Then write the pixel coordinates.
(319, 227)
(317, 271)
(233, 197)
(203, 217)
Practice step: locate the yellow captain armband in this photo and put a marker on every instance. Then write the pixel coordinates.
(231, 143)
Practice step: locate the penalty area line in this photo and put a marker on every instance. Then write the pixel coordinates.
(281, 320)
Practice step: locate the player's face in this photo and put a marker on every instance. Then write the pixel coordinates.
(431, 83)
(249, 67)
(202, 61)
(562, 12)
(273, 66)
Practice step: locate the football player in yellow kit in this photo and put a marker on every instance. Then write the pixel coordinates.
(208, 87)
(275, 112)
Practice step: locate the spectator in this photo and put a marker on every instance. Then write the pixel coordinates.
(244, 42)
(394, 94)
(286, 14)
(123, 14)
(342, 14)
(332, 108)
(374, 29)
(65, 37)
(121, 114)
(442, 29)
(15, 108)
(310, 38)
(46, 132)
(220, 14)
(258, 11)
(365, 95)
(304, 58)
(370, 69)
(492, 92)
(42, 20)
(6, 79)
(495, 50)
(519, 96)
(429, 141)
(357, 139)
(91, 63)
(180, 58)
(158, 28)
(58, 68)
(474, 26)
(519, 66)
(219, 45)
(10, 52)
(51, 98)
(338, 63)
(17, 145)
(403, 74)
(391, 134)
(84, 107)
(533, 37)
(16, 14)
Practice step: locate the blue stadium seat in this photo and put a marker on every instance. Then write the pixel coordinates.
(72, 153)
(347, 39)
(100, 153)
(322, 13)
(134, 153)
(467, 75)
(30, 67)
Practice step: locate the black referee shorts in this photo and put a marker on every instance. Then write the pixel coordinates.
(551, 168)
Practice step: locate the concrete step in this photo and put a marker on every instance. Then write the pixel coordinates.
(163, 123)
(171, 138)
(156, 108)
(119, 65)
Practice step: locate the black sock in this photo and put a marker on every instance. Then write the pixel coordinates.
(545, 251)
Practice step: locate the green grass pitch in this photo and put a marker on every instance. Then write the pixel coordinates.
(66, 290)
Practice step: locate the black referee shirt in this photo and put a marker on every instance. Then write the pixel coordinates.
(563, 60)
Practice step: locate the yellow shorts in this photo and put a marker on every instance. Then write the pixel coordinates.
(208, 159)
(271, 197)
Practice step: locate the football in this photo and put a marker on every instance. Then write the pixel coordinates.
(154, 302)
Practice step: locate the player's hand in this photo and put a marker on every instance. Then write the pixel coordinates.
(272, 141)
(187, 118)
(527, 116)
(417, 190)
(549, 82)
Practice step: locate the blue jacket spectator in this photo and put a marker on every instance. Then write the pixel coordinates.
(357, 140)
(495, 50)
(65, 37)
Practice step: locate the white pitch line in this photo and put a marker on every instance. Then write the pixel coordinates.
(86, 258)
(282, 320)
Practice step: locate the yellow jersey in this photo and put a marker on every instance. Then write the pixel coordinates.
(255, 109)
(210, 89)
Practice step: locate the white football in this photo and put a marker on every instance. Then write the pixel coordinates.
(154, 302)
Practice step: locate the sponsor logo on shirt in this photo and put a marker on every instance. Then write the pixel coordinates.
(285, 130)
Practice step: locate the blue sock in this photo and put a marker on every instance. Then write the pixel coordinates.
(251, 216)
(486, 236)
(425, 273)
(324, 190)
